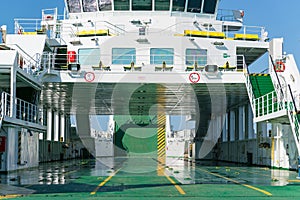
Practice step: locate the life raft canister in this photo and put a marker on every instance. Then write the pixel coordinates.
(71, 56)
(280, 66)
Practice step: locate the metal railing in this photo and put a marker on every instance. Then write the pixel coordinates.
(180, 63)
(70, 29)
(267, 104)
(23, 110)
(285, 94)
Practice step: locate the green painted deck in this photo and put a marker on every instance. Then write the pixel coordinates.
(131, 179)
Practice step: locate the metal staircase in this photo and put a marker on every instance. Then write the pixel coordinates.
(273, 102)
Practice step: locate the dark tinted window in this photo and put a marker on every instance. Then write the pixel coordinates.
(104, 5)
(209, 6)
(141, 4)
(162, 4)
(121, 4)
(74, 6)
(194, 6)
(178, 5)
(89, 5)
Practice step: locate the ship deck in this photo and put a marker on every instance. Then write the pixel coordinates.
(138, 178)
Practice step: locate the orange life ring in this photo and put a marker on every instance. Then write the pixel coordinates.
(280, 66)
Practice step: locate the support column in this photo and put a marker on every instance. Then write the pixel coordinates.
(232, 125)
(62, 128)
(13, 83)
(49, 124)
(250, 123)
(56, 126)
(241, 122)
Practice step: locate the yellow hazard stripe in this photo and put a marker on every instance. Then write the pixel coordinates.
(260, 74)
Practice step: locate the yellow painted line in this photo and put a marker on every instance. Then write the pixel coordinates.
(294, 181)
(237, 182)
(104, 182)
(179, 189)
(260, 174)
(9, 196)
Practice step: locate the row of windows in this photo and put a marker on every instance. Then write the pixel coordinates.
(125, 56)
(195, 6)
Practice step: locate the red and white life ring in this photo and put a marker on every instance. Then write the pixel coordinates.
(280, 66)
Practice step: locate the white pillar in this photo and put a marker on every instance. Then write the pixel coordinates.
(13, 83)
(49, 124)
(56, 126)
(250, 123)
(232, 125)
(168, 125)
(62, 127)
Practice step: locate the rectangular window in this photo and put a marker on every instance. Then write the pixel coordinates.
(162, 5)
(158, 55)
(209, 6)
(89, 5)
(194, 6)
(199, 55)
(123, 56)
(74, 6)
(141, 4)
(89, 56)
(178, 5)
(121, 4)
(104, 5)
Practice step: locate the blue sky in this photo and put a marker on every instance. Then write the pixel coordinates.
(278, 17)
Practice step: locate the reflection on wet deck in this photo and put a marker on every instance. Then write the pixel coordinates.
(135, 175)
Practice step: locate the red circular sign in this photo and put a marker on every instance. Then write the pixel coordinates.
(89, 77)
(194, 77)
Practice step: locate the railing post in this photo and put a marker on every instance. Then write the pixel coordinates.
(298, 177)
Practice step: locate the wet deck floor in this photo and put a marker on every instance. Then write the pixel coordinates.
(140, 178)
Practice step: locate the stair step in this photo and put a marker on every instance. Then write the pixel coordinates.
(261, 84)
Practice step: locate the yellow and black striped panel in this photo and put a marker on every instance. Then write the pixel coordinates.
(161, 144)
(259, 74)
(19, 146)
(161, 136)
(161, 130)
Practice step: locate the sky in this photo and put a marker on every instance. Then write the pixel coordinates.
(280, 18)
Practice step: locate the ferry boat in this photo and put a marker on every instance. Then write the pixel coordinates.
(142, 64)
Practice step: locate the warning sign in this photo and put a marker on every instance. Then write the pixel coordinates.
(194, 77)
(2, 144)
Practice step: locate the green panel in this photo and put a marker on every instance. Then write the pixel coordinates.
(261, 84)
(140, 140)
(136, 134)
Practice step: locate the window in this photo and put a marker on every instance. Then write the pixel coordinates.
(123, 55)
(89, 5)
(141, 4)
(158, 55)
(89, 56)
(199, 55)
(194, 6)
(162, 5)
(104, 5)
(74, 6)
(209, 6)
(178, 5)
(121, 4)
